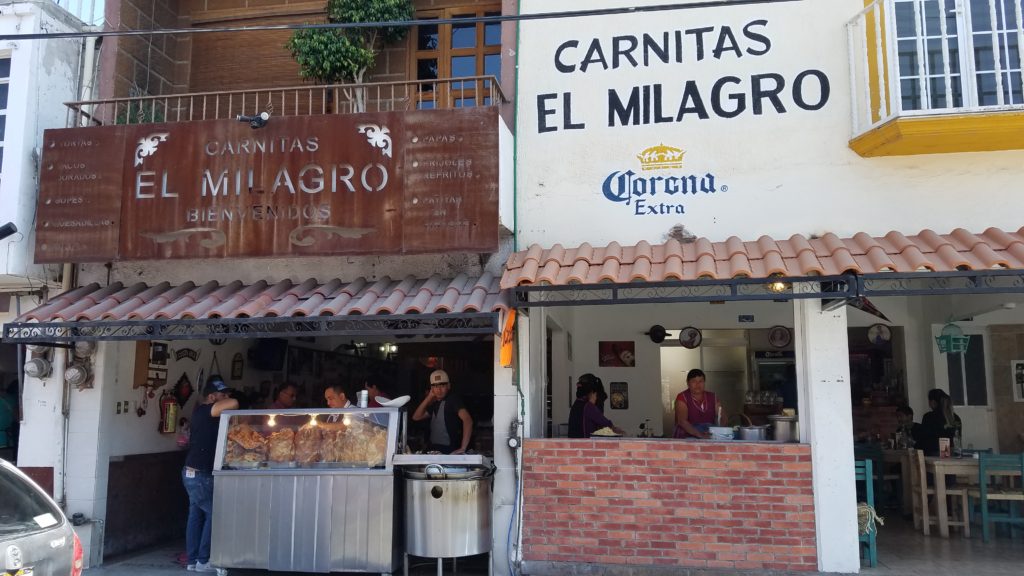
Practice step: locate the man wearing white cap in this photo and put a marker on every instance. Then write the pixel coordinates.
(451, 426)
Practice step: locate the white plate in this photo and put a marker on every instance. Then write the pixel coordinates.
(397, 402)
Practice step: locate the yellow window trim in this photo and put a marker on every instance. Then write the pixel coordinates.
(973, 132)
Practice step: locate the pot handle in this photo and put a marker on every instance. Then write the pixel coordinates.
(438, 471)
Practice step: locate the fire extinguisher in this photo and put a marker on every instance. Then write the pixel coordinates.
(168, 413)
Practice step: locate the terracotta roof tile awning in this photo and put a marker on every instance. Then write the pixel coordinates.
(464, 304)
(797, 257)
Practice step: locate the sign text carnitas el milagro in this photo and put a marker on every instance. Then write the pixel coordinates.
(310, 179)
(679, 100)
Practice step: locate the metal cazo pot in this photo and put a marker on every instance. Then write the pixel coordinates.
(448, 510)
(754, 433)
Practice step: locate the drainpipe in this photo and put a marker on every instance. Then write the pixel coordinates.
(88, 76)
(60, 359)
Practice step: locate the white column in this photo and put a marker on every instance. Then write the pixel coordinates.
(507, 409)
(826, 419)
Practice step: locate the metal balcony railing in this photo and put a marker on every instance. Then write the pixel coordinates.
(291, 101)
(935, 57)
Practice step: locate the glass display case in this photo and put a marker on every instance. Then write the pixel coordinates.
(322, 439)
(324, 474)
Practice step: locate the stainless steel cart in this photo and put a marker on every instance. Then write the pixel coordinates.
(332, 507)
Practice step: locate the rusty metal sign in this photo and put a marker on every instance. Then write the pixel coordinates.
(376, 183)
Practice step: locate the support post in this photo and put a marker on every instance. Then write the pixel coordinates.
(826, 422)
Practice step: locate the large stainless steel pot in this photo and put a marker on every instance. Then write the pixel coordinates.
(448, 510)
(756, 433)
(784, 428)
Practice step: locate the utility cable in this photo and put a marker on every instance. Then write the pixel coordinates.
(403, 23)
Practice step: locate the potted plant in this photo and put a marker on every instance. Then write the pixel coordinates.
(343, 55)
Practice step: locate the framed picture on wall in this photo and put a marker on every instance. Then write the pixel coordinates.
(616, 354)
(619, 395)
(1017, 378)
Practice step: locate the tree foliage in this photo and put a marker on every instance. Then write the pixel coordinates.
(333, 56)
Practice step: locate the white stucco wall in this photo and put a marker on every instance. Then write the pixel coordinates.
(785, 173)
(44, 75)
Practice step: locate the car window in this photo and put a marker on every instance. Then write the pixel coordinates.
(23, 508)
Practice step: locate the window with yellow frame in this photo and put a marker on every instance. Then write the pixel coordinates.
(450, 59)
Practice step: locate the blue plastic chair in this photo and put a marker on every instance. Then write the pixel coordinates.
(864, 473)
(1011, 493)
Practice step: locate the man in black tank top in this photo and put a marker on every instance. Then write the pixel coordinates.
(197, 476)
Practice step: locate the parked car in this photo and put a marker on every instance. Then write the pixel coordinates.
(36, 538)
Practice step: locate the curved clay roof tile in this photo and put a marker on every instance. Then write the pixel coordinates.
(640, 271)
(899, 241)
(585, 252)
(609, 272)
(767, 245)
(705, 266)
(999, 239)
(932, 241)
(774, 264)
(966, 239)
(103, 306)
(555, 254)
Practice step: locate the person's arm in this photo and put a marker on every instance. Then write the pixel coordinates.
(421, 412)
(598, 420)
(683, 420)
(467, 430)
(222, 405)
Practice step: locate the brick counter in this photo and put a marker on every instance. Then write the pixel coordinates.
(665, 503)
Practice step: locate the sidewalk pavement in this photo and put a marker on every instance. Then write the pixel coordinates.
(163, 561)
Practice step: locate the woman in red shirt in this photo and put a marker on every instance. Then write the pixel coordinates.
(696, 408)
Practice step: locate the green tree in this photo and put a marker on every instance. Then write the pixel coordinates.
(343, 55)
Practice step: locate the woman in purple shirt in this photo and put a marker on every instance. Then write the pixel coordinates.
(584, 417)
(696, 408)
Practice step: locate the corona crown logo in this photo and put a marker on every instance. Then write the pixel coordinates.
(661, 157)
(660, 193)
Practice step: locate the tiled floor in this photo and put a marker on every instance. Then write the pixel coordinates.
(906, 552)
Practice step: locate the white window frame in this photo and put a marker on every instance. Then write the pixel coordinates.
(965, 45)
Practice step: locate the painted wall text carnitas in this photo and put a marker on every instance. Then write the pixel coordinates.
(679, 100)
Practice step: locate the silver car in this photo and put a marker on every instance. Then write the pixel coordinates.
(36, 538)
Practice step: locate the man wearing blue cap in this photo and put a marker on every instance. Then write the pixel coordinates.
(197, 475)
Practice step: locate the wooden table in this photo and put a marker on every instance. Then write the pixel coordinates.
(940, 468)
(901, 457)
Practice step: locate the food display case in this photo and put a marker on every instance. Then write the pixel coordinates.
(308, 490)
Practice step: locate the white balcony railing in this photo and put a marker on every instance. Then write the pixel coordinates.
(935, 57)
(292, 101)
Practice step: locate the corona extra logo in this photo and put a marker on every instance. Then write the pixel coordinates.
(661, 157)
(661, 194)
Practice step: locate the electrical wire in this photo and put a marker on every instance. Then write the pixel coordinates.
(403, 23)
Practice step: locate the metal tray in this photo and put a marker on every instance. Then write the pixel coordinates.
(243, 465)
(282, 465)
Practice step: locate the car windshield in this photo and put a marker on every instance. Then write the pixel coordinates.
(23, 508)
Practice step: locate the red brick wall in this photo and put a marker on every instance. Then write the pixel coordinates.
(669, 503)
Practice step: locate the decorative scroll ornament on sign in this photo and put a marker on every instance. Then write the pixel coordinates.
(148, 145)
(303, 235)
(377, 136)
(217, 237)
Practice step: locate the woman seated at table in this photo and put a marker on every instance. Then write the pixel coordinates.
(584, 417)
(696, 408)
(941, 422)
